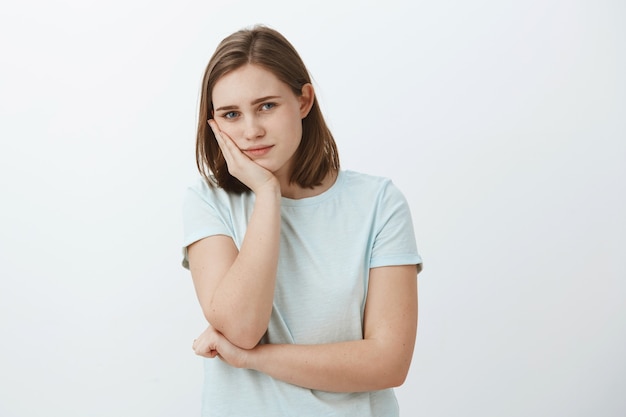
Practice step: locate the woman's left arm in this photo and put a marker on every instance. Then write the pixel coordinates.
(380, 360)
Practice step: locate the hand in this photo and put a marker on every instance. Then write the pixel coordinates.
(239, 165)
(212, 343)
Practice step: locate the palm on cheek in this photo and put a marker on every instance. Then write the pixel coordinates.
(239, 165)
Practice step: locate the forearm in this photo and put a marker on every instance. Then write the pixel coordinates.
(354, 366)
(380, 360)
(241, 304)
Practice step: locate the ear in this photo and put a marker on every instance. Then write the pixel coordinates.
(212, 117)
(307, 98)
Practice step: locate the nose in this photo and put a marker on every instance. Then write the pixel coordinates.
(253, 129)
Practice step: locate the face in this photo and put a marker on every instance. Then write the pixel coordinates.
(262, 115)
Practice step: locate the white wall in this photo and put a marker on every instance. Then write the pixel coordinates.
(503, 122)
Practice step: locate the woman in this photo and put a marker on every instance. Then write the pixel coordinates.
(306, 273)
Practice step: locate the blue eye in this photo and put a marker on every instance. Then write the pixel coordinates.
(268, 106)
(230, 115)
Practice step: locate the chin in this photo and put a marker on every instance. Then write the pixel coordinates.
(266, 165)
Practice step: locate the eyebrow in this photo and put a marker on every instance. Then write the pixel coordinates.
(254, 102)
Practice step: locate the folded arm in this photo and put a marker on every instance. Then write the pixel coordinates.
(236, 288)
(380, 360)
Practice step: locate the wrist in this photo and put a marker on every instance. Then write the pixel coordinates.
(270, 188)
(251, 359)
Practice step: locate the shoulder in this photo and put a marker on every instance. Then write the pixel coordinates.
(370, 185)
(363, 182)
(201, 187)
(200, 190)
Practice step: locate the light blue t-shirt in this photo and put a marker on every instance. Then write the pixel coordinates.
(328, 243)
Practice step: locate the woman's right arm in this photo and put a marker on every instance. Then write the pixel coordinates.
(236, 288)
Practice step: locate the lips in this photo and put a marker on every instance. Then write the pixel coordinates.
(258, 150)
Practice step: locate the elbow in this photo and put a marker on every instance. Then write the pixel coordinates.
(402, 366)
(399, 365)
(243, 328)
(399, 378)
(244, 339)
(238, 333)
(392, 380)
(390, 363)
(248, 334)
(399, 371)
(388, 380)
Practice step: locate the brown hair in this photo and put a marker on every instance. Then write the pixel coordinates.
(317, 154)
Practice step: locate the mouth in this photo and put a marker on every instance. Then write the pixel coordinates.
(258, 150)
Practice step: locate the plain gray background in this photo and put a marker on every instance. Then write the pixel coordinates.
(503, 122)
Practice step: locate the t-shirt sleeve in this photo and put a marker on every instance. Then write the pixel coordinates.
(201, 219)
(394, 240)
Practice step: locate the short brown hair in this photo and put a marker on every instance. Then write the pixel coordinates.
(317, 154)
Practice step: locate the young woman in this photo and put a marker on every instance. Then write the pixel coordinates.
(306, 274)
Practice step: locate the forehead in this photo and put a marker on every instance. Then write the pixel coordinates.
(247, 83)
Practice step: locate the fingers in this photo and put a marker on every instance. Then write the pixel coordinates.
(216, 132)
(239, 164)
(226, 144)
(201, 349)
(205, 345)
(211, 344)
(235, 159)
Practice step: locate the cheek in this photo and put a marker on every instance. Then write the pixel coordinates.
(290, 123)
(230, 131)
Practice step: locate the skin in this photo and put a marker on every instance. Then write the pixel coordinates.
(236, 288)
(242, 119)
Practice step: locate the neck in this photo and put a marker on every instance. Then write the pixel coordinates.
(296, 192)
